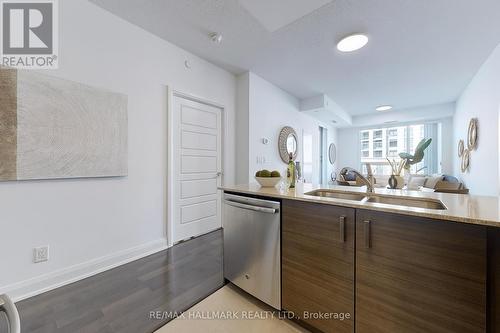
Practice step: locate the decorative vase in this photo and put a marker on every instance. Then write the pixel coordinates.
(401, 182)
(392, 182)
(396, 182)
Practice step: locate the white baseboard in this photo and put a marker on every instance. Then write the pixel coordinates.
(43, 283)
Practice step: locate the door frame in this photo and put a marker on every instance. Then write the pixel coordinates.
(169, 179)
(323, 155)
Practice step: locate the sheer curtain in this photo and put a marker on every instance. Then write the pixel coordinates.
(431, 153)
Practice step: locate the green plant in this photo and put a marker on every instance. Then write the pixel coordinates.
(418, 156)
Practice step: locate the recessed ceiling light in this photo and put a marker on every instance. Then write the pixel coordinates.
(352, 43)
(384, 108)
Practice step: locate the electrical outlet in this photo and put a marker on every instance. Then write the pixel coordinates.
(261, 160)
(41, 254)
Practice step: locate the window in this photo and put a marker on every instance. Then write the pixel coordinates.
(392, 153)
(378, 144)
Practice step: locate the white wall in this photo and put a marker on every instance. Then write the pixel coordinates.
(93, 223)
(481, 99)
(242, 128)
(349, 154)
(269, 110)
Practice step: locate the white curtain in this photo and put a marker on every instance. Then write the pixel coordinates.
(431, 153)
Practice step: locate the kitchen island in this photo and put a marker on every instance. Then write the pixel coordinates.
(391, 261)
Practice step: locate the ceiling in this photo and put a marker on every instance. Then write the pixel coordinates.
(276, 14)
(421, 52)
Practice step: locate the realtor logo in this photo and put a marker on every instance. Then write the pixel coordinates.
(29, 34)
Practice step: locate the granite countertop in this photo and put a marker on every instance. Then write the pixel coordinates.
(480, 210)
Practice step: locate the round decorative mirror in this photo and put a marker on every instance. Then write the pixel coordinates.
(465, 160)
(460, 148)
(288, 143)
(472, 135)
(332, 153)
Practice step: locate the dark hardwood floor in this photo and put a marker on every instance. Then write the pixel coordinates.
(121, 299)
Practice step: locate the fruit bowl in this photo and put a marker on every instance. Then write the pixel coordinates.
(268, 181)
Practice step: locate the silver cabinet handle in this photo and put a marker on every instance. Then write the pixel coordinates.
(342, 228)
(250, 207)
(12, 315)
(367, 234)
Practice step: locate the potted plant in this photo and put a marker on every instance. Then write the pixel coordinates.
(418, 156)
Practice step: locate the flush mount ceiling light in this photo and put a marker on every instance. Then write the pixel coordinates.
(352, 43)
(384, 108)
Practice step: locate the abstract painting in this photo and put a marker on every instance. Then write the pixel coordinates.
(55, 128)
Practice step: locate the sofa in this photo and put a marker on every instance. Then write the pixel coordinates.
(428, 183)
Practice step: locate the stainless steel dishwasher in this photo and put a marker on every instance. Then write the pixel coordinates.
(252, 246)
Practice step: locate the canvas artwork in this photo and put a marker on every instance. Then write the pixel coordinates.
(55, 128)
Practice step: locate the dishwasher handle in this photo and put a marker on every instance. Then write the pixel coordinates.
(251, 207)
(10, 310)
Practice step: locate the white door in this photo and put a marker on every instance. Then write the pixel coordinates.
(197, 170)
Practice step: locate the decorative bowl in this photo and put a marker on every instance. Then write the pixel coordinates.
(268, 181)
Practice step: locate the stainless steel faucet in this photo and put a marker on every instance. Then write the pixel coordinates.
(368, 181)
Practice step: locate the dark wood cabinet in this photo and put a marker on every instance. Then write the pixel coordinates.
(419, 275)
(390, 272)
(494, 279)
(318, 263)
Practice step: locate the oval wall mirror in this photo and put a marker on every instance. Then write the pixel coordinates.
(288, 143)
(332, 153)
(472, 135)
(460, 148)
(465, 160)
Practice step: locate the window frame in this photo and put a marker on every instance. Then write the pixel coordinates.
(408, 137)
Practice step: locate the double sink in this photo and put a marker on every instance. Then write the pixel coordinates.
(381, 199)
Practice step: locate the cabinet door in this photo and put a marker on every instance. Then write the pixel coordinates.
(318, 263)
(494, 278)
(419, 275)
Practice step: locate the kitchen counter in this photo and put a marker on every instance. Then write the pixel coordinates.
(480, 210)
